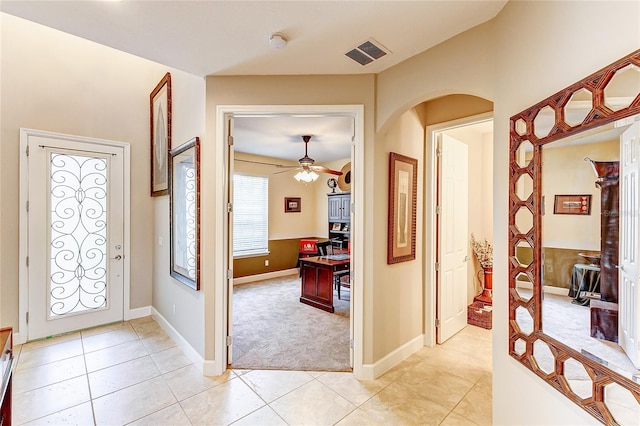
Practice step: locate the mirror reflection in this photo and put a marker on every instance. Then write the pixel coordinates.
(585, 245)
(184, 207)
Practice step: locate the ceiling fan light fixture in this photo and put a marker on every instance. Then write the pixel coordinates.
(306, 176)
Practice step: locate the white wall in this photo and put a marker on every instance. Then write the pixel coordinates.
(564, 171)
(57, 82)
(541, 48)
(530, 51)
(397, 288)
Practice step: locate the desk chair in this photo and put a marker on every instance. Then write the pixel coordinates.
(343, 283)
(325, 248)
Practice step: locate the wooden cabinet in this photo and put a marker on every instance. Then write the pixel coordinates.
(339, 218)
(6, 370)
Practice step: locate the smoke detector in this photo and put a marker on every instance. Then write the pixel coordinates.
(277, 41)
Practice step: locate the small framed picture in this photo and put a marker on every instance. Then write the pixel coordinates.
(345, 227)
(336, 227)
(292, 205)
(572, 204)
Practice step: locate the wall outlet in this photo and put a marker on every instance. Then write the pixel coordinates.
(266, 263)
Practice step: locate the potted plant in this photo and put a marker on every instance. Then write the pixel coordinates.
(483, 250)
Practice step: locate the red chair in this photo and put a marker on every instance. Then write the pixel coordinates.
(308, 248)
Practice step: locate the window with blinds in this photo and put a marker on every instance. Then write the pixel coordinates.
(250, 215)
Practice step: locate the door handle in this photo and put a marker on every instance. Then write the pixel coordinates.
(118, 257)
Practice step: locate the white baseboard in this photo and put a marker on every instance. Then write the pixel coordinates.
(547, 288)
(377, 369)
(18, 339)
(188, 350)
(210, 368)
(134, 313)
(265, 276)
(145, 311)
(555, 290)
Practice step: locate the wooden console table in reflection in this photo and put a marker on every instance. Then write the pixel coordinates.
(6, 369)
(318, 278)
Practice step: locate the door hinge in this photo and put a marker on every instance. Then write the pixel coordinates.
(229, 340)
(438, 152)
(230, 140)
(26, 151)
(27, 317)
(229, 274)
(353, 207)
(437, 322)
(27, 261)
(229, 207)
(27, 205)
(437, 266)
(351, 343)
(352, 276)
(438, 209)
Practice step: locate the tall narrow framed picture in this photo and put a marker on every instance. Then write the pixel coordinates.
(403, 181)
(160, 104)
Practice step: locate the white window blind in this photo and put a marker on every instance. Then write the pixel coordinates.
(250, 215)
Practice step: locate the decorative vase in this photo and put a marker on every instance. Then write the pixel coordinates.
(486, 295)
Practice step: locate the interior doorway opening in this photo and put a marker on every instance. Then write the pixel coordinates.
(453, 274)
(226, 117)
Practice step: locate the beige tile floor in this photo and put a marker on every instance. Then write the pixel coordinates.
(133, 373)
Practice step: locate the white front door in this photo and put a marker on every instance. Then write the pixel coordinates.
(75, 234)
(629, 321)
(452, 237)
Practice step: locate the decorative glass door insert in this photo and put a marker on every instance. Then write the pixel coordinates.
(78, 234)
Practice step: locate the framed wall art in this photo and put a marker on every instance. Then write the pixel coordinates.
(403, 180)
(160, 106)
(292, 205)
(572, 204)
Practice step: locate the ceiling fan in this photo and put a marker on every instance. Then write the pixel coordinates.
(307, 170)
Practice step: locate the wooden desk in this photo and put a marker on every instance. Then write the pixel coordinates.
(6, 370)
(317, 279)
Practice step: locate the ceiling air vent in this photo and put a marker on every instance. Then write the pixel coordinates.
(367, 52)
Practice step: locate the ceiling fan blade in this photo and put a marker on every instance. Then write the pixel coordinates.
(285, 171)
(280, 166)
(323, 169)
(259, 162)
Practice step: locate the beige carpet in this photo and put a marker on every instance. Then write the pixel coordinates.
(273, 330)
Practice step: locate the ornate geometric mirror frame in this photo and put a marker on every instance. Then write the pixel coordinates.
(523, 340)
(184, 212)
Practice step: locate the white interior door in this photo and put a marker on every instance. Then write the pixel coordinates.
(75, 234)
(629, 243)
(453, 239)
(229, 340)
